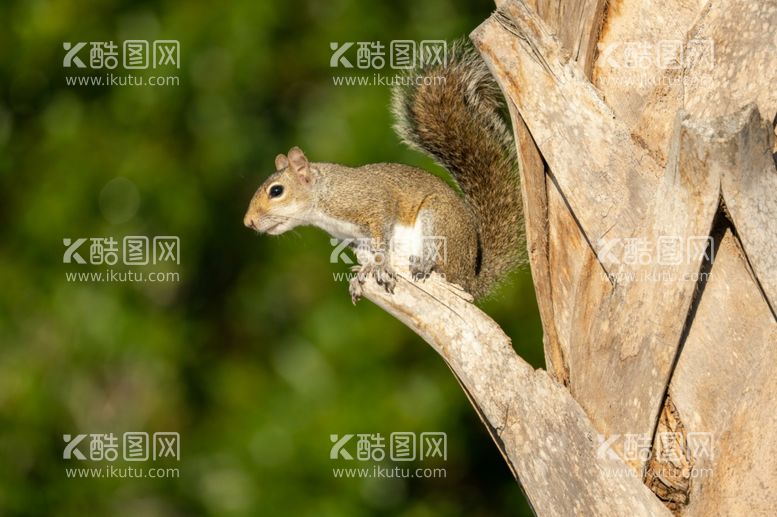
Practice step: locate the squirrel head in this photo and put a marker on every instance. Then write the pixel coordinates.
(285, 199)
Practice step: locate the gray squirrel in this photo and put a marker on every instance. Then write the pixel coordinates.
(452, 112)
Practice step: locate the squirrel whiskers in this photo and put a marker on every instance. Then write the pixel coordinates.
(453, 112)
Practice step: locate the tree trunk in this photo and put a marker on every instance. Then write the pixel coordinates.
(646, 136)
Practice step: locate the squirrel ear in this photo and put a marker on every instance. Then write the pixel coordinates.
(281, 162)
(299, 164)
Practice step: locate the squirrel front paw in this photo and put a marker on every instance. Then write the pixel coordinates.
(382, 273)
(385, 276)
(355, 289)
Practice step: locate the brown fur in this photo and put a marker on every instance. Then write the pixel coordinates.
(459, 124)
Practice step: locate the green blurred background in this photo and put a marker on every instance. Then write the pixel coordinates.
(256, 355)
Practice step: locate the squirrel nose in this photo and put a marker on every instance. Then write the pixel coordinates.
(248, 221)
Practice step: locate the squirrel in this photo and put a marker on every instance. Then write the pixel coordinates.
(458, 121)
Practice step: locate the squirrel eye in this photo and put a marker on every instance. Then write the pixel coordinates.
(276, 190)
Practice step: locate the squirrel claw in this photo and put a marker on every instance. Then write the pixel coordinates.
(355, 290)
(355, 286)
(419, 269)
(383, 276)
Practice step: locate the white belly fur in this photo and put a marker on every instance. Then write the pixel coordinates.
(407, 241)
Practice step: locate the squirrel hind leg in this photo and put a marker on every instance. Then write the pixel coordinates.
(449, 244)
(421, 266)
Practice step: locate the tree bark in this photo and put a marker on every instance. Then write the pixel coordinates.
(543, 433)
(660, 350)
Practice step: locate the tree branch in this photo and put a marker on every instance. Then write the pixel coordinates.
(540, 429)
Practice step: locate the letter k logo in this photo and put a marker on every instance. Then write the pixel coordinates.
(71, 57)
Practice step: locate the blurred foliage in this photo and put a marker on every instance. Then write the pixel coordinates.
(256, 356)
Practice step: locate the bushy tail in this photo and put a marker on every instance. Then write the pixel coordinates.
(453, 112)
